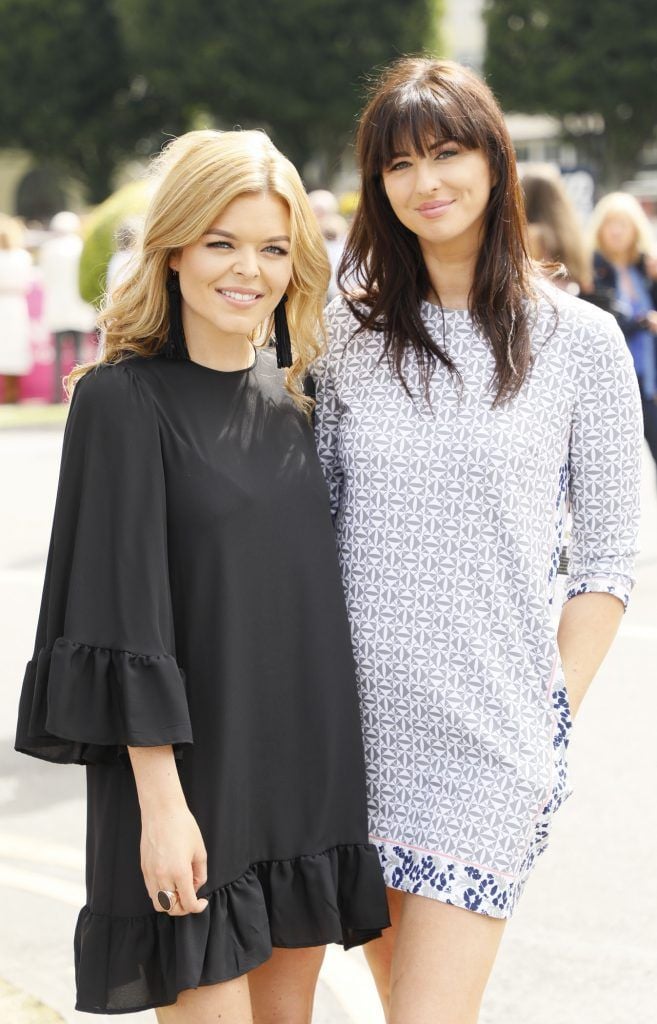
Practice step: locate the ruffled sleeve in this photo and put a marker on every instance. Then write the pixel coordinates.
(605, 466)
(104, 673)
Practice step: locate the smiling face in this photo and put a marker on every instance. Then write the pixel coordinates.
(440, 195)
(232, 279)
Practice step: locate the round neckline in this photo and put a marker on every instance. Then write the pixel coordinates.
(228, 373)
(431, 307)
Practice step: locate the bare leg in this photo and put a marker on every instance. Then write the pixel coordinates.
(228, 1003)
(433, 964)
(283, 988)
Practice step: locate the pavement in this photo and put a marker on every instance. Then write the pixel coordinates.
(582, 947)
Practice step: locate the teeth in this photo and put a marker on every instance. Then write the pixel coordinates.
(238, 296)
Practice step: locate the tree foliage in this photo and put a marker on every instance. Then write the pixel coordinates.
(573, 58)
(65, 90)
(294, 67)
(86, 83)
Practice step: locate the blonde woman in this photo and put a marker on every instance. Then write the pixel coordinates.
(625, 282)
(193, 648)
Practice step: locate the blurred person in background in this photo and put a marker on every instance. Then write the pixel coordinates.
(15, 283)
(333, 226)
(125, 238)
(625, 282)
(554, 229)
(66, 316)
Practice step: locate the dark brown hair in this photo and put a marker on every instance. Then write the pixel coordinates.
(417, 102)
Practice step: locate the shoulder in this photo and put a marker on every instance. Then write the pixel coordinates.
(573, 315)
(340, 319)
(113, 391)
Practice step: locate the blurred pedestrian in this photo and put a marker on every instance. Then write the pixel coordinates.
(555, 232)
(463, 399)
(193, 649)
(333, 226)
(67, 317)
(625, 281)
(125, 240)
(15, 282)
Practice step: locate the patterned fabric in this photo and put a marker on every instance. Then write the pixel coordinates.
(447, 520)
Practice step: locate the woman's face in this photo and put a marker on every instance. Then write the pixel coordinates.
(441, 197)
(235, 275)
(617, 235)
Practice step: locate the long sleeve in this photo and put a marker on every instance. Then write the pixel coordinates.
(327, 421)
(104, 673)
(605, 467)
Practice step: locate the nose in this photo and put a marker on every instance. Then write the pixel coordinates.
(246, 263)
(428, 177)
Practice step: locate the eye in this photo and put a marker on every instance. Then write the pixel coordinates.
(447, 153)
(399, 165)
(276, 250)
(219, 245)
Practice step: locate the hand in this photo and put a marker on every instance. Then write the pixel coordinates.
(651, 320)
(173, 858)
(651, 266)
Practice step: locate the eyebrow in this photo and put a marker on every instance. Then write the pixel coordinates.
(228, 234)
(434, 145)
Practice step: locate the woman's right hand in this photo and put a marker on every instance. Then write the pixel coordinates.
(173, 854)
(173, 858)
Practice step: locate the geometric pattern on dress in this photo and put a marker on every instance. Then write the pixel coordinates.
(446, 527)
(466, 885)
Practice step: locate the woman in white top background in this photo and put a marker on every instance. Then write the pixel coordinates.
(15, 278)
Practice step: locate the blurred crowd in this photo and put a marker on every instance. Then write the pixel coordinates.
(611, 260)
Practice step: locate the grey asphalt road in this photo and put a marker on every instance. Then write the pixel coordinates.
(582, 947)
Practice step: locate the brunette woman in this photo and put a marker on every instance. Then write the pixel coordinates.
(461, 404)
(193, 648)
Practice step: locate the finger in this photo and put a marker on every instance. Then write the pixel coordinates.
(199, 871)
(188, 902)
(168, 888)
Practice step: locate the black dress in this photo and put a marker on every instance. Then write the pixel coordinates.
(193, 597)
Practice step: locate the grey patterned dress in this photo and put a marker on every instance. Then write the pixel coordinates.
(449, 524)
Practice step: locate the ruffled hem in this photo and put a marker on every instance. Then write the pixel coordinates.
(84, 705)
(127, 964)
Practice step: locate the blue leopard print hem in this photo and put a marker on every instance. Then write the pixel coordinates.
(470, 886)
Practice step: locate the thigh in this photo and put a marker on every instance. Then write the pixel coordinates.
(441, 962)
(228, 1001)
(283, 988)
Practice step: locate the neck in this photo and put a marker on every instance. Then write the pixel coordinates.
(217, 351)
(451, 271)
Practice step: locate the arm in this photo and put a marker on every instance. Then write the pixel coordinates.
(587, 628)
(605, 467)
(173, 854)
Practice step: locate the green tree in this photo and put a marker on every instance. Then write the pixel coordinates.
(575, 58)
(66, 92)
(294, 67)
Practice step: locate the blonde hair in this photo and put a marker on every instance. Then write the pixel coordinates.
(197, 176)
(623, 203)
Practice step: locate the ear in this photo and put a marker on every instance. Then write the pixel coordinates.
(174, 261)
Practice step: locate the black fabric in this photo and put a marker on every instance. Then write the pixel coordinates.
(193, 597)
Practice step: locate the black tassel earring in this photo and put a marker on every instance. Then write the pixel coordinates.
(282, 335)
(176, 346)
